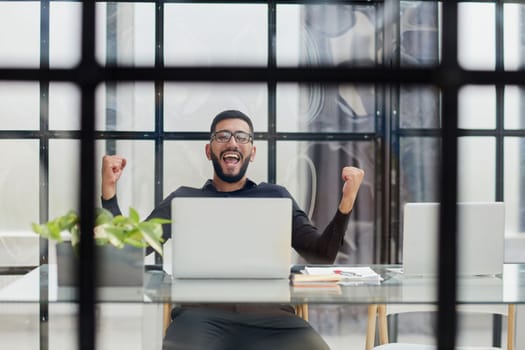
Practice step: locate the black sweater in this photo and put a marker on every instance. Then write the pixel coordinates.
(307, 240)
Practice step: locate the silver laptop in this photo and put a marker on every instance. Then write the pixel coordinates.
(231, 237)
(481, 228)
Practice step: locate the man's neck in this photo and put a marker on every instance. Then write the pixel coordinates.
(223, 186)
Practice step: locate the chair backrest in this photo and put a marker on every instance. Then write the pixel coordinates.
(382, 311)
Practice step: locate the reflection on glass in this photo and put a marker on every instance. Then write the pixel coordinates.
(215, 34)
(192, 106)
(64, 106)
(476, 169)
(477, 107)
(514, 184)
(125, 33)
(476, 36)
(311, 171)
(514, 107)
(419, 169)
(196, 168)
(328, 35)
(14, 95)
(125, 106)
(19, 175)
(419, 107)
(65, 20)
(325, 108)
(419, 36)
(20, 38)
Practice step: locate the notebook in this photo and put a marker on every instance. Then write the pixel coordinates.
(231, 237)
(481, 228)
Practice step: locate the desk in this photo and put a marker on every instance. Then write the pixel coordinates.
(39, 286)
(395, 288)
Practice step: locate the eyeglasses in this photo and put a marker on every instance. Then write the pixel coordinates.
(224, 136)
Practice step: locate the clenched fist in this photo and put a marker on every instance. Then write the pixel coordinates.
(112, 168)
(352, 177)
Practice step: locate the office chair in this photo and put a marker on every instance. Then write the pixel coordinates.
(380, 313)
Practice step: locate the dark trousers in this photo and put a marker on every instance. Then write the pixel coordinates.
(205, 329)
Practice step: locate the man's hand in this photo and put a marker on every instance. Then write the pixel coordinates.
(112, 167)
(352, 177)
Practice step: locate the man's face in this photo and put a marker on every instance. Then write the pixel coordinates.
(231, 158)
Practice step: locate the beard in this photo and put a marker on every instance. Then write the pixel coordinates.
(229, 178)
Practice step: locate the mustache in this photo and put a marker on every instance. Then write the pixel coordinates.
(232, 149)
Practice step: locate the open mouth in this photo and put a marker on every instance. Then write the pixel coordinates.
(231, 157)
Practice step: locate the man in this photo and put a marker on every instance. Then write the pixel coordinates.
(244, 326)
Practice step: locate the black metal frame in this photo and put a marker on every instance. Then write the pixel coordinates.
(448, 76)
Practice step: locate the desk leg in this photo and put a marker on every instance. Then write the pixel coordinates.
(166, 317)
(371, 326)
(511, 325)
(383, 326)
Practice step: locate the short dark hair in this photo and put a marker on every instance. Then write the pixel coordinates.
(230, 114)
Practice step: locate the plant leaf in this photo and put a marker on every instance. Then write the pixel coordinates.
(151, 237)
(103, 216)
(134, 216)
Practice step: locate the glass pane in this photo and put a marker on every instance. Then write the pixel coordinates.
(329, 35)
(125, 106)
(419, 164)
(419, 33)
(197, 169)
(19, 205)
(513, 35)
(125, 33)
(19, 188)
(477, 107)
(419, 107)
(64, 177)
(65, 20)
(64, 106)
(20, 34)
(476, 169)
(311, 171)
(192, 106)
(514, 107)
(476, 36)
(215, 34)
(13, 95)
(325, 108)
(136, 186)
(515, 184)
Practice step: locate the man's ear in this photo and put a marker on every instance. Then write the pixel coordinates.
(208, 151)
(252, 157)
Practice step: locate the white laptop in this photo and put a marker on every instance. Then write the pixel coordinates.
(231, 237)
(481, 228)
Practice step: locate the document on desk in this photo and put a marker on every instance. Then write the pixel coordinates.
(343, 275)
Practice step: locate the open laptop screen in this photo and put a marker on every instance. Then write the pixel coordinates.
(481, 228)
(231, 237)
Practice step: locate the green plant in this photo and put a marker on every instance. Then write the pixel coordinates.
(115, 230)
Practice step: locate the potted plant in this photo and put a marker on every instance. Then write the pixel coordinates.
(120, 242)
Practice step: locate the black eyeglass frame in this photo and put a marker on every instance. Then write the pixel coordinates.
(234, 134)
